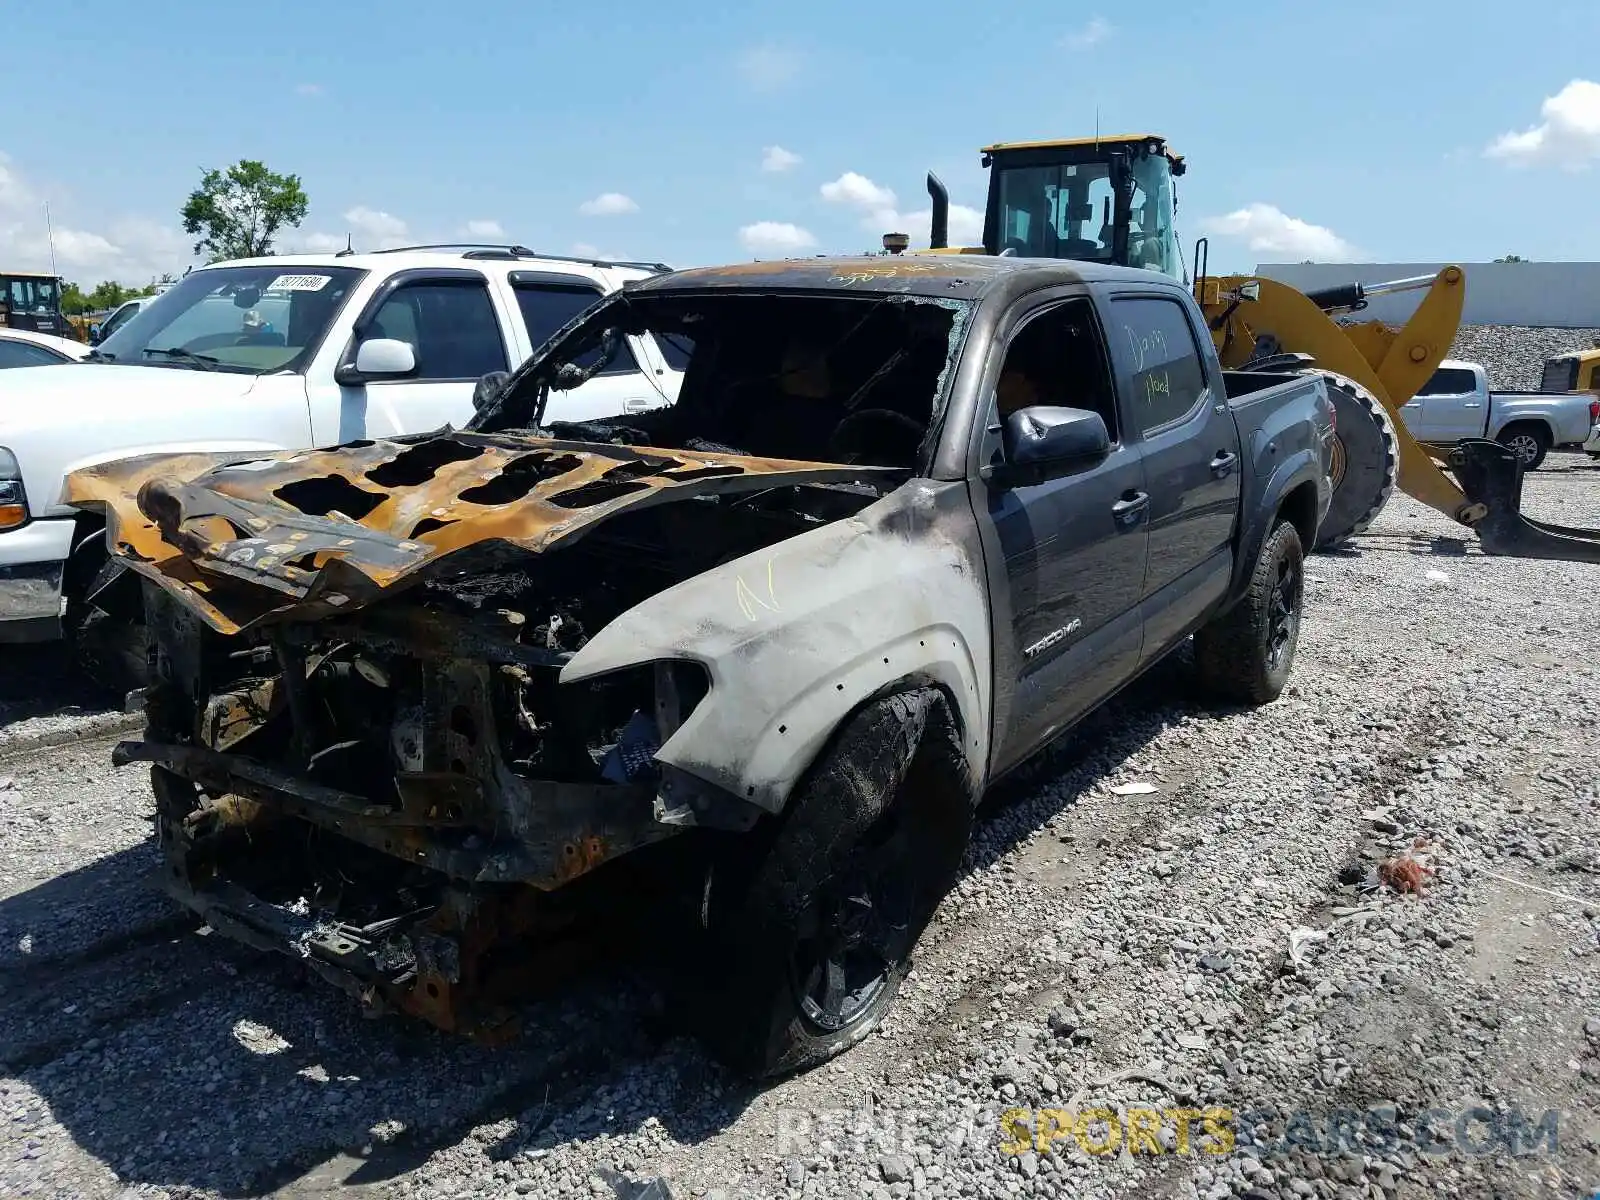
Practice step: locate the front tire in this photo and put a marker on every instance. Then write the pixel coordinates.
(1246, 654)
(809, 941)
(104, 621)
(1529, 441)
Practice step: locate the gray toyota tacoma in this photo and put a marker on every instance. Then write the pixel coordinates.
(418, 701)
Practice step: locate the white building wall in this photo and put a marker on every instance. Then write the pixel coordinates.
(1561, 294)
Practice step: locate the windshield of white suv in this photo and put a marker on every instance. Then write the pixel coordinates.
(254, 320)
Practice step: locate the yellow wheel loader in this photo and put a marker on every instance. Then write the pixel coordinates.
(1114, 200)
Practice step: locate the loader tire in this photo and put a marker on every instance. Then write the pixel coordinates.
(1366, 460)
(1245, 655)
(811, 929)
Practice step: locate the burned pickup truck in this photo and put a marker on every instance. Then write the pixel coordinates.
(907, 521)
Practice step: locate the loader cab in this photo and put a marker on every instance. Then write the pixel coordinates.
(1575, 371)
(31, 302)
(1106, 200)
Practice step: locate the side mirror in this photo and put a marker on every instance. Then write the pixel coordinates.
(488, 388)
(377, 358)
(1042, 442)
(385, 356)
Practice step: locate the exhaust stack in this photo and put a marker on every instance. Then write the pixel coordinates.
(939, 234)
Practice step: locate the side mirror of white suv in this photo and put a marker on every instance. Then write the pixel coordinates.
(385, 356)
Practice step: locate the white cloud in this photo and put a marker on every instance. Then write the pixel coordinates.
(308, 89)
(858, 192)
(376, 228)
(482, 229)
(317, 243)
(769, 66)
(365, 229)
(966, 224)
(1267, 229)
(776, 158)
(129, 249)
(1096, 31)
(775, 237)
(14, 193)
(1569, 135)
(608, 204)
(876, 204)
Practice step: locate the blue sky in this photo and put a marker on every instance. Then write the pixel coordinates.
(1332, 133)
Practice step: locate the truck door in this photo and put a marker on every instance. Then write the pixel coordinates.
(1177, 409)
(454, 329)
(1068, 553)
(1449, 407)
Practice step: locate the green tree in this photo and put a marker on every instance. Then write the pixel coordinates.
(237, 212)
(73, 302)
(1512, 258)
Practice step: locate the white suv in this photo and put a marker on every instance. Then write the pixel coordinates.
(284, 353)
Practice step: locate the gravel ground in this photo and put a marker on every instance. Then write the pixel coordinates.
(1514, 355)
(1223, 941)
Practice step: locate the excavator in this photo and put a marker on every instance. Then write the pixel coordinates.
(1114, 200)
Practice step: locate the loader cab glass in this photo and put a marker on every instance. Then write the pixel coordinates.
(31, 302)
(1063, 202)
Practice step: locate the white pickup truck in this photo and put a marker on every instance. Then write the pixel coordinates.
(270, 354)
(1456, 403)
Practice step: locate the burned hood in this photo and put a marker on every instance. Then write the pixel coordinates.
(312, 533)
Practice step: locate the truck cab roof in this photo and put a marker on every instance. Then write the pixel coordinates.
(943, 276)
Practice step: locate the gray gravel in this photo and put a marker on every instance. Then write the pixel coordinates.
(1513, 354)
(1093, 935)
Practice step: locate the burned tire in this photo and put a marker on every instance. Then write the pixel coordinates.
(1246, 654)
(1366, 460)
(104, 621)
(1528, 440)
(809, 939)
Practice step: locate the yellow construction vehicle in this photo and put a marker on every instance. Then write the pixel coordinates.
(1574, 371)
(1113, 199)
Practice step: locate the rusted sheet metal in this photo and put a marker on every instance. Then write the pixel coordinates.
(581, 826)
(322, 532)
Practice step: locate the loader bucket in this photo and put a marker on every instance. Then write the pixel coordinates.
(1491, 476)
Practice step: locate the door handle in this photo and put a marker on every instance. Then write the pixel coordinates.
(1222, 464)
(1473, 405)
(1127, 510)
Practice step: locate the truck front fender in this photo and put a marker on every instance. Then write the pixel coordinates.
(795, 636)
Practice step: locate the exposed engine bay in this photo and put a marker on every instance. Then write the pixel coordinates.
(365, 754)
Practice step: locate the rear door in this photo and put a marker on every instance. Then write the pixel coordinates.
(1178, 411)
(548, 301)
(1067, 555)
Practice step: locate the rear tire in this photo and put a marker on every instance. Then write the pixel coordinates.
(811, 930)
(1366, 460)
(1246, 654)
(1528, 440)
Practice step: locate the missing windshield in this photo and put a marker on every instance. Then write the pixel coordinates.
(819, 378)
